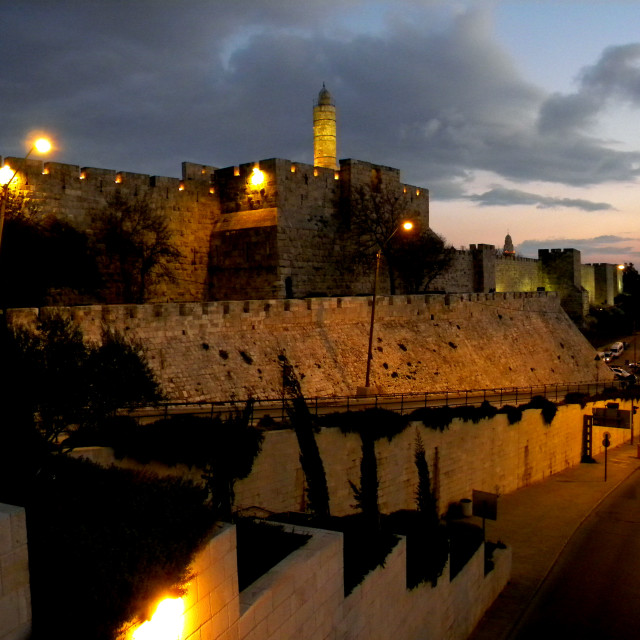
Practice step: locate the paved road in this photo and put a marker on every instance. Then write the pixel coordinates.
(593, 590)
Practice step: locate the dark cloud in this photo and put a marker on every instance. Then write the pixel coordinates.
(501, 197)
(615, 76)
(143, 86)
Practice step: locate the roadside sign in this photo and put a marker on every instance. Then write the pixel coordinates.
(485, 505)
(612, 418)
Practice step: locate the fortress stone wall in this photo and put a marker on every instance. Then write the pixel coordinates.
(222, 350)
(287, 235)
(282, 237)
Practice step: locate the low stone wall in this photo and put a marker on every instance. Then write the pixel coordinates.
(303, 596)
(15, 595)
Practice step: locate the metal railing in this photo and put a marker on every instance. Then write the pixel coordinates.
(275, 408)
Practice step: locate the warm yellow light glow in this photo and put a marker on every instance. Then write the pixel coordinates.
(336, 175)
(407, 226)
(293, 168)
(315, 173)
(181, 187)
(257, 177)
(212, 190)
(45, 171)
(118, 178)
(236, 171)
(83, 175)
(42, 145)
(417, 192)
(621, 266)
(166, 624)
(6, 173)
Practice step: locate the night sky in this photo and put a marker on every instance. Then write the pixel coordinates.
(519, 116)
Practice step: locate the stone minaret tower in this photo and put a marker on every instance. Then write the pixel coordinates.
(324, 131)
(508, 249)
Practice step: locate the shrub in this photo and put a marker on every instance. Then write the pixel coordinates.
(104, 544)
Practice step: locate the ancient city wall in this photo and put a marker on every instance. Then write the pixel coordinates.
(517, 274)
(222, 350)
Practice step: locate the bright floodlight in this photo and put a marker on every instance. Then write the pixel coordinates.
(621, 266)
(6, 173)
(257, 177)
(42, 145)
(407, 226)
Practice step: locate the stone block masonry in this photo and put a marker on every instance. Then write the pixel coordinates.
(15, 595)
(217, 351)
(303, 596)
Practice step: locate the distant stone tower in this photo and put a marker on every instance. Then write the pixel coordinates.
(508, 247)
(324, 131)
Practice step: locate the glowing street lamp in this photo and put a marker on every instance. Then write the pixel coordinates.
(7, 175)
(406, 226)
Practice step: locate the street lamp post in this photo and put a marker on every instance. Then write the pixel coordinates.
(42, 145)
(407, 226)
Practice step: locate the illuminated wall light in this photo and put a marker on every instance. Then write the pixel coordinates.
(315, 173)
(336, 175)
(236, 171)
(6, 173)
(167, 623)
(404, 190)
(83, 175)
(45, 171)
(293, 168)
(417, 192)
(181, 187)
(203, 171)
(118, 179)
(257, 177)
(212, 190)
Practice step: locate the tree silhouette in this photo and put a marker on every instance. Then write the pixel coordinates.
(136, 244)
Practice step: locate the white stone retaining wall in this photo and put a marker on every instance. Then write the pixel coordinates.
(15, 595)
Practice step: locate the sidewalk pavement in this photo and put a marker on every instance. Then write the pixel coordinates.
(538, 521)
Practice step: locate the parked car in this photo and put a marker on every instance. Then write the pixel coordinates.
(621, 374)
(616, 349)
(607, 356)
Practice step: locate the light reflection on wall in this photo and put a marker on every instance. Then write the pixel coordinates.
(166, 623)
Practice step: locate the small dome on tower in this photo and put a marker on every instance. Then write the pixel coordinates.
(324, 97)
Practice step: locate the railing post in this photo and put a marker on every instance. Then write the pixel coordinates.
(401, 403)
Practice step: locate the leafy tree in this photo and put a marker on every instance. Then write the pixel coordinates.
(136, 245)
(374, 215)
(429, 556)
(40, 254)
(419, 258)
(304, 427)
(229, 457)
(59, 384)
